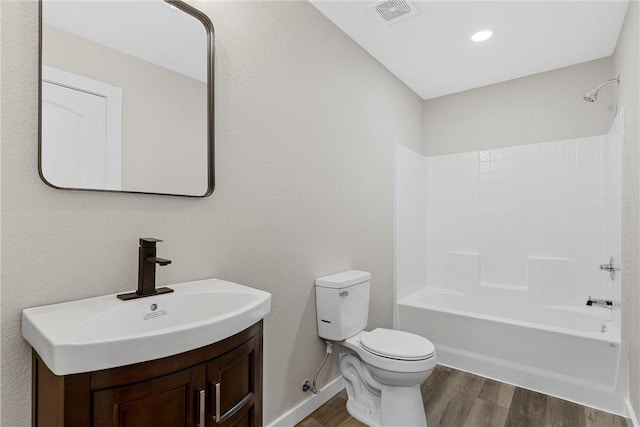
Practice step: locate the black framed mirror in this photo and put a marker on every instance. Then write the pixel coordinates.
(126, 97)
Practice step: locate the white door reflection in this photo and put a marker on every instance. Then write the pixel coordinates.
(81, 129)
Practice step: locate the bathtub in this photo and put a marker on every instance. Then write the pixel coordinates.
(571, 352)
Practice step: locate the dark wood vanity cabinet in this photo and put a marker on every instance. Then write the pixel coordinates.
(167, 400)
(220, 384)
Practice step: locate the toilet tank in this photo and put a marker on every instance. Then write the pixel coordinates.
(342, 304)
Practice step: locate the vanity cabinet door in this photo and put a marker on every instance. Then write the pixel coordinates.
(169, 400)
(234, 382)
(177, 391)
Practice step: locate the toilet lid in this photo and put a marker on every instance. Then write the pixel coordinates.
(396, 344)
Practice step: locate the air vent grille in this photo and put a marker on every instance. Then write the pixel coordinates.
(392, 10)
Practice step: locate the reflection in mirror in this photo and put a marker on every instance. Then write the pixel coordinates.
(126, 97)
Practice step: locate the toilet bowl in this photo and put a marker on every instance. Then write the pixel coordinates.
(383, 369)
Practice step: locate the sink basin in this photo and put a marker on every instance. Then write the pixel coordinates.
(105, 332)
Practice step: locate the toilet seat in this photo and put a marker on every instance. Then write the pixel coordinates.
(395, 344)
(354, 343)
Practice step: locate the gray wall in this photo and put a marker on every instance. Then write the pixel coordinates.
(306, 123)
(626, 62)
(538, 108)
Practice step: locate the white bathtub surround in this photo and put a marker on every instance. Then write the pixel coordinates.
(544, 201)
(462, 270)
(554, 207)
(410, 228)
(544, 274)
(515, 237)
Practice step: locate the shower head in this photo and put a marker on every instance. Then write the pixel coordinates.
(592, 96)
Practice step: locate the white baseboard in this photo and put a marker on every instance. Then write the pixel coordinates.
(631, 414)
(307, 406)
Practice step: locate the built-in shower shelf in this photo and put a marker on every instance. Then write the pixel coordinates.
(549, 258)
(503, 286)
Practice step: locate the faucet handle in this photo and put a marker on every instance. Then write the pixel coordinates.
(157, 260)
(148, 242)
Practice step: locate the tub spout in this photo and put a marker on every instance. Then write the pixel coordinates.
(603, 303)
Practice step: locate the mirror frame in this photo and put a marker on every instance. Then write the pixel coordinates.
(208, 25)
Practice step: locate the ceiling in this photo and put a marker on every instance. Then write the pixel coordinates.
(431, 52)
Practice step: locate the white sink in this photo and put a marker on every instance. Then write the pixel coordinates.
(105, 332)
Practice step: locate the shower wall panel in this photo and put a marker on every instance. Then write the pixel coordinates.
(410, 222)
(539, 218)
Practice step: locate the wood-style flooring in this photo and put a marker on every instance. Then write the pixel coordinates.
(455, 398)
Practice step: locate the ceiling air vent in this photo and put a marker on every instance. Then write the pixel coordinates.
(392, 11)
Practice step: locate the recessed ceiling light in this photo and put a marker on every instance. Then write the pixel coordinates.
(481, 36)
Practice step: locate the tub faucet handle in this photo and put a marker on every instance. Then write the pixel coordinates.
(611, 268)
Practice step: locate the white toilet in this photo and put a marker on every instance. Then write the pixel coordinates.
(384, 368)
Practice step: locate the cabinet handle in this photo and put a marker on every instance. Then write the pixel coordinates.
(217, 417)
(201, 408)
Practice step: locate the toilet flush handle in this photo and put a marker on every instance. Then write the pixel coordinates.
(344, 293)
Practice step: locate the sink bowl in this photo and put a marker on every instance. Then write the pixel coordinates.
(105, 332)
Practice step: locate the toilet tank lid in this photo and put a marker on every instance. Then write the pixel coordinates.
(344, 279)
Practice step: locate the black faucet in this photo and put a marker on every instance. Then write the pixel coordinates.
(147, 261)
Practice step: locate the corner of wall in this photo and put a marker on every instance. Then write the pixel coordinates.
(627, 64)
(307, 406)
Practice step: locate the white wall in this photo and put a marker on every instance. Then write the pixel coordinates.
(306, 123)
(538, 108)
(626, 60)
